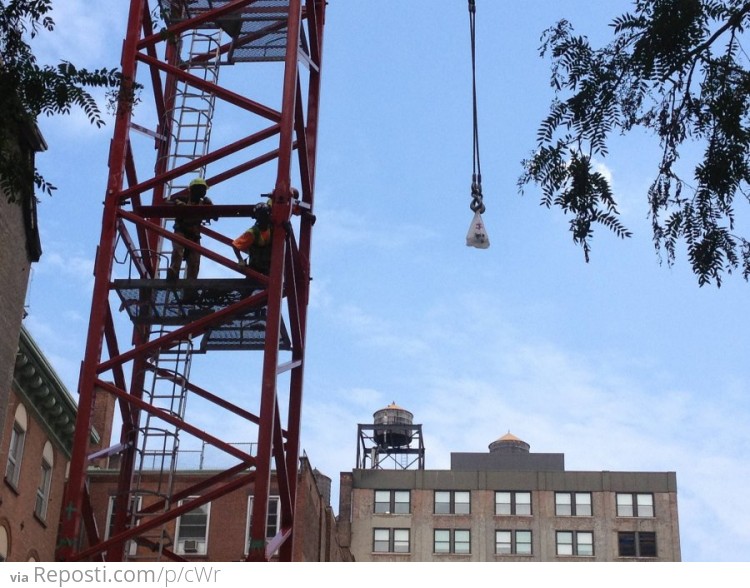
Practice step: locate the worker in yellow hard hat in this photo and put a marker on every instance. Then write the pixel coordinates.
(189, 228)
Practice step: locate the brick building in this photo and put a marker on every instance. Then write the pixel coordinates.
(19, 248)
(219, 530)
(34, 450)
(505, 505)
(215, 531)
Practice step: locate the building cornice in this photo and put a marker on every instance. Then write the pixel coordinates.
(36, 382)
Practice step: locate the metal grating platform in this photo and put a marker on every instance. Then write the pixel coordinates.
(247, 332)
(159, 302)
(258, 31)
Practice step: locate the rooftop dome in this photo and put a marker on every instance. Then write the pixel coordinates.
(393, 406)
(509, 443)
(393, 414)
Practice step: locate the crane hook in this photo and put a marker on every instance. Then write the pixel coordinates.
(477, 235)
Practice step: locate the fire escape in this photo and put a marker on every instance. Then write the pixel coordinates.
(152, 343)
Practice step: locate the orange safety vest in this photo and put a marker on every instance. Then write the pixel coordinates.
(257, 243)
(253, 237)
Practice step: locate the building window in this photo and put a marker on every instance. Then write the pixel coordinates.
(575, 543)
(635, 505)
(637, 544)
(192, 530)
(392, 502)
(513, 542)
(15, 451)
(573, 504)
(273, 519)
(3, 543)
(452, 502)
(135, 505)
(42, 493)
(452, 541)
(390, 540)
(513, 503)
(45, 483)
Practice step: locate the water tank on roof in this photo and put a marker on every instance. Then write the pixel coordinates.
(393, 426)
(509, 443)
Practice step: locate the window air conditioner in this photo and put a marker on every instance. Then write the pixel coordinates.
(190, 546)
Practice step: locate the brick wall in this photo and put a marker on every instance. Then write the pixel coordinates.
(19, 246)
(315, 534)
(14, 277)
(315, 529)
(29, 535)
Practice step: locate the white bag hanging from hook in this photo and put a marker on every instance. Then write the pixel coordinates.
(477, 235)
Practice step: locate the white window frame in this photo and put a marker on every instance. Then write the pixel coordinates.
(131, 547)
(381, 540)
(451, 541)
(635, 504)
(392, 502)
(42, 493)
(467, 541)
(513, 542)
(273, 519)
(45, 485)
(578, 546)
(576, 505)
(201, 544)
(512, 503)
(15, 449)
(454, 501)
(385, 540)
(441, 541)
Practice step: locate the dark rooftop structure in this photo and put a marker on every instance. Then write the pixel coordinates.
(508, 453)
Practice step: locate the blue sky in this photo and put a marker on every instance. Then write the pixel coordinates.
(622, 364)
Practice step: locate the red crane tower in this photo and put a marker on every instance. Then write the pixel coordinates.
(146, 333)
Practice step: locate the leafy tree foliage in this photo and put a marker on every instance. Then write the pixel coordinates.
(677, 68)
(30, 89)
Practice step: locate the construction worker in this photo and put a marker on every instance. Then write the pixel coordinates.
(256, 241)
(189, 228)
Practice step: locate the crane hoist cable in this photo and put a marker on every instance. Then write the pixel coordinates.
(477, 235)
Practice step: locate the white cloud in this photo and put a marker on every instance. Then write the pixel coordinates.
(86, 37)
(371, 330)
(71, 266)
(603, 169)
(343, 228)
(321, 296)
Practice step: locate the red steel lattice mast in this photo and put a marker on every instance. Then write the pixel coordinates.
(247, 312)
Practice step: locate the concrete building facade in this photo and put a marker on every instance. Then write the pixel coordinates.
(509, 505)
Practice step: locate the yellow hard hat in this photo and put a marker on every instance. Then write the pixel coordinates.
(198, 182)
